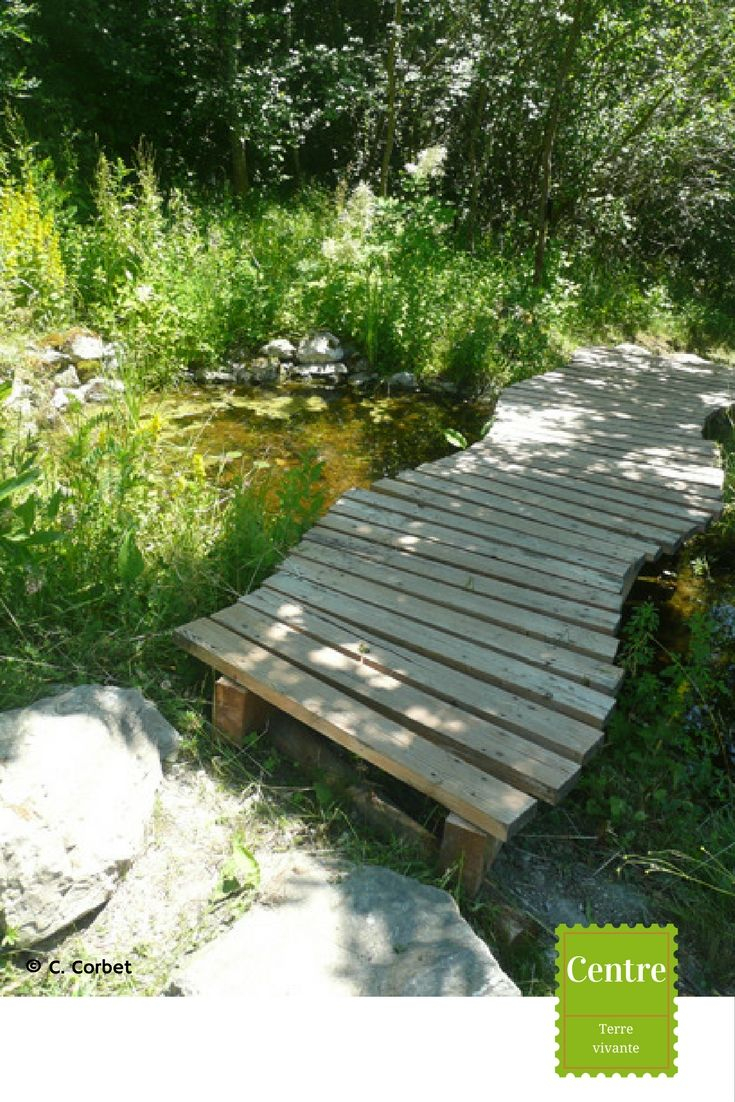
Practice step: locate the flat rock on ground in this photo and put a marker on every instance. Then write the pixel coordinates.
(324, 928)
(78, 778)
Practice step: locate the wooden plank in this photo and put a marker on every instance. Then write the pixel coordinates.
(520, 426)
(561, 499)
(236, 712)
(591, 467)
(701, 481)
(632, 392)
(686, 364)
(456, 590)
(559, 392)
(594, 427)
(545, 687)
(488, 540)
(468, 848)
(491, 804)
(504, 755)
(342, 534)
(597, 538)
(620, 418)
(598, 553)
(661, 373)
(402, 598)
(597, 602)
(624, 379)
(568, 737)
(607, 489)
(621, 379)
(658, 413)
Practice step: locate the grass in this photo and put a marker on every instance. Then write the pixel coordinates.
(181, 281)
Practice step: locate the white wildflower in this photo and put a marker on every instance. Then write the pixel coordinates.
(429, 163)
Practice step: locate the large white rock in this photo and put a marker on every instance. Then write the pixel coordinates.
(280, 349)
(325, 929)
(67, 378)
(403, 380)
(84, 347)
(321, 348)
(101, 390)
(78, 777)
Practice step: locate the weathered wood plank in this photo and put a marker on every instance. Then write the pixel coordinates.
(615, 417)
(699, 378)
(482, 799)
(503, 754)
(589, 467)
(591, 425)
(464, 845)
(418, 540)
(558, 732)
(680, 395)
(602, 555)
(563, 499)
(595, 536)
(588, 670)
(460, 571)
(702, 482)
(655, 412)
(237, 712)
(615, 494)
(453, 589)
(491, 541)
(551, 689)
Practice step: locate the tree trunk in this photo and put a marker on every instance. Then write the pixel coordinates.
(475, 162)
(391, 96)
(231, 40)
(553, 118)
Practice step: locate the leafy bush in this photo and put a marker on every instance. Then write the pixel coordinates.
(668, 737)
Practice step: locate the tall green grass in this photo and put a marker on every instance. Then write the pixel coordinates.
(183, 282)
(137, 549)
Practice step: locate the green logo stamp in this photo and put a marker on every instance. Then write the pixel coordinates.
(616, 988)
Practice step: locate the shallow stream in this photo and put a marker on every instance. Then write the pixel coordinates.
(360, 439)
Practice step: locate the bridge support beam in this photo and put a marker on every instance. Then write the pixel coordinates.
(236, 712)
(470, 848)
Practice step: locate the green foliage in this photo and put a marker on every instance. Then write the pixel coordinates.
(182, 285)
(25, 518)
(241, 871)
(137, 549)
(32, 271)
(455, 438)
(667, 737)
(174, 286)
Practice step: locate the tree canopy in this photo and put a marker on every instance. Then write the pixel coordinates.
(612, 120)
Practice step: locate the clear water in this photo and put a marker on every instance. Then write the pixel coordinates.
(360, 439)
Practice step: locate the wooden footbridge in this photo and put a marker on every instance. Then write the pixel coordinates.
(456, 625)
